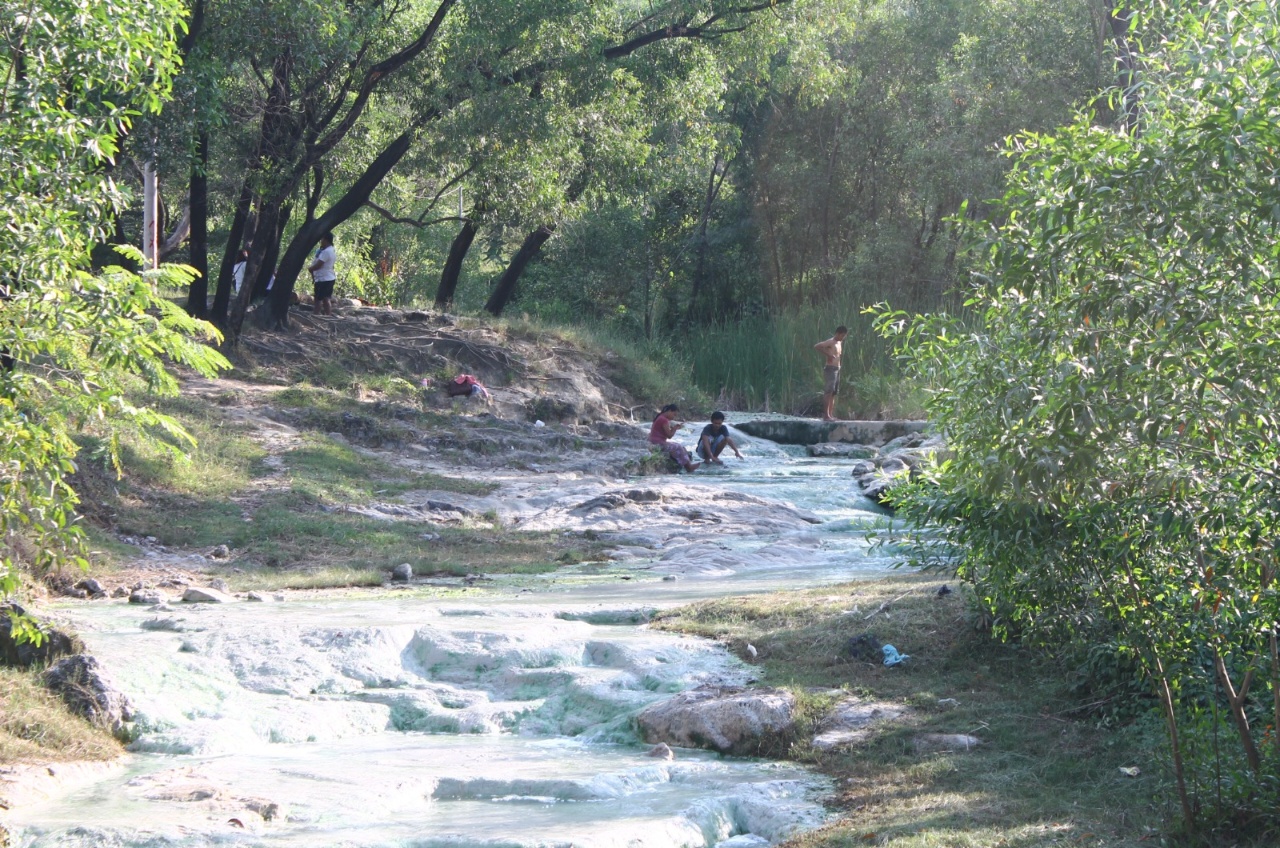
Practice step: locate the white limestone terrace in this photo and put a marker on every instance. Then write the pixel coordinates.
(498, 714)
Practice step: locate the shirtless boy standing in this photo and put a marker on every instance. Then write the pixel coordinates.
(831, 350)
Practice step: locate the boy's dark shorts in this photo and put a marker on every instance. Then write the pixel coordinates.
(325, 289)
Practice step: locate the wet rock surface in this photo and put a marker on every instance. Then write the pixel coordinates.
(206, 595)
(89, 690)
(842, 449)
(895, 464)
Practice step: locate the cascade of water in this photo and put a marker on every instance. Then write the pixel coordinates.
(500, 718)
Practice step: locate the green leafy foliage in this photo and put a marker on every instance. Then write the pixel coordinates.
(1113, 415)
(71, 81)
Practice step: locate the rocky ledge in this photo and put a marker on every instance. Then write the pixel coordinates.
(811, 431)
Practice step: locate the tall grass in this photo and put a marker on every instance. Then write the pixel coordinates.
(654, 372)
(767, 362)
(35, 725)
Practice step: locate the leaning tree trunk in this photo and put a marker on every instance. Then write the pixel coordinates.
(507, 282)
(453, 265)
(198, 294)
(271, 258)
(295, 256)
(222, 295)
(265, 234)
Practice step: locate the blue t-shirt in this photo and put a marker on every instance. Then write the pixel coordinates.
(714, 433)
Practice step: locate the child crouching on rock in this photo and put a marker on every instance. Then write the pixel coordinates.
(664, 427)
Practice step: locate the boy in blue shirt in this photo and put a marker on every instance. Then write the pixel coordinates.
(715, 437)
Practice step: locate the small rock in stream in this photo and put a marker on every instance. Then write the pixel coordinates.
(171, 625)
(93, 587)
(661, 751)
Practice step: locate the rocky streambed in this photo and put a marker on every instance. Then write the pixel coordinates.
(502, 713)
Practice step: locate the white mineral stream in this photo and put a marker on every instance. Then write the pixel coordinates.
(493, 714)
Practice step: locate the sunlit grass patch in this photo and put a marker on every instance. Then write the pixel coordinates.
(1045, 774)
(36, 726)
(224, 459)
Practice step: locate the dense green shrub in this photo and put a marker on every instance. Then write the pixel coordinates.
(1115, 417)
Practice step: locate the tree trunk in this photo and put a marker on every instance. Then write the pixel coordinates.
(507, 282)
(1175, 744)
(1118, 22)
(1235, 702)
(237, 237)
(198, 294)
(295, 256)
(271, 258)
(453, 265)
(718, 171)
(266, 233)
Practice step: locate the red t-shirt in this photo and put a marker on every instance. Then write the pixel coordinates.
(658, 432)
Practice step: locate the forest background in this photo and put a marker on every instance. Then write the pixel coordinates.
(717, 185)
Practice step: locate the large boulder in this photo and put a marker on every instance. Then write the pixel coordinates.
(897, 463)
(205, 595)
(53, 643)
(852, 720)
(88, 690)
(730, 720)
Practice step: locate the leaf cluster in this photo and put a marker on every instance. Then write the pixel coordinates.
(72, 79)
(1113, 407)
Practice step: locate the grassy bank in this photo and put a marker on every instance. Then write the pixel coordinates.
(284, 501)
(1046, 774)
(655, 372)
(35, 726)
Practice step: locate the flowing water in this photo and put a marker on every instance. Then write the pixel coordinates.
(452, 715)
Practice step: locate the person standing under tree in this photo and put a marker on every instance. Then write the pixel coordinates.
(237, 271)
(831, 349)
(323, 274)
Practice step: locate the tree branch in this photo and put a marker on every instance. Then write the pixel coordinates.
(418, 222)
(387, 66)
